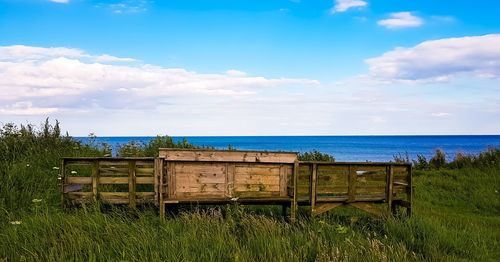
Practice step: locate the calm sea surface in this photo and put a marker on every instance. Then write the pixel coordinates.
(344, 148)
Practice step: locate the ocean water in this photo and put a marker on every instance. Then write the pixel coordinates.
(343, 148)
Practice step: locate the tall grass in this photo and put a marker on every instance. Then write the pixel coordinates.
(457, 216)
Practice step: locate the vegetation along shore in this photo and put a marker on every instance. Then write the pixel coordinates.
(456, 214)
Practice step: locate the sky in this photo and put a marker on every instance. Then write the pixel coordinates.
(252, 67)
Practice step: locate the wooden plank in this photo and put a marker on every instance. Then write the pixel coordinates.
(131, 183)
(113, 171)
(62, 174)
(199, 178)
(257, 179)
(144, 180)
(171, 179)
(294, 205)
(159, 186)
(201, 188)
(258, 170)
(200, 195)
(79, 195)
(255, 187)
(368, 207)
(390, 180)
(95, 178)
(256, 194)
(230, 176)
(79, 180)
(227, 156)
(283, 181)
(324, 207)
(113, 180)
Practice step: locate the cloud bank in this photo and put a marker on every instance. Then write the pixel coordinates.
(440, 60)
(38, 80)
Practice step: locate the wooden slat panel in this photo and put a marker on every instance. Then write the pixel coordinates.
(256, 169)
(78, 180)
(227, 156)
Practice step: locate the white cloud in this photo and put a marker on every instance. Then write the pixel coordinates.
(344, 5)
(401, 20)
(25, 108)
(440, 114)
(64, 78)
(440, 60)
(60, 1)
(110, 58)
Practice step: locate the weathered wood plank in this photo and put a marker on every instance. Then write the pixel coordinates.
(227, 156)
(230, 177)
(144, 180)
(131, 183)
(200, 188)
(78, 180)
(113, 180)
(95, 178)
(256, 187)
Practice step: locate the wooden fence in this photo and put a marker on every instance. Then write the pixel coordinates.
(248, 177)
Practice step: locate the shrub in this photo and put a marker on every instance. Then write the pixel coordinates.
(438, 160)
(315, 155)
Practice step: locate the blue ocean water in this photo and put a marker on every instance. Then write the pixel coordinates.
(343, 148)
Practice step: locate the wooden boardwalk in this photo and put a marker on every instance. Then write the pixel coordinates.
(246, 177)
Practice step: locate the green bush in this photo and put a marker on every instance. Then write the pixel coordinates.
(315, 155)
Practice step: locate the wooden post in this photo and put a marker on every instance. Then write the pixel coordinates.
(131, 183)
(95, 177)
(409, 191)
(390, 181)
(159, 179)
(294, 206)
(352, 184)
(314, 175)
(62, 174)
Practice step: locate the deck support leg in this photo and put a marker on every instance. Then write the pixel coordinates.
(283, 210)
(294, 205)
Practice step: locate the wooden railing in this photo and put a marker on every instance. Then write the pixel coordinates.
(257, 178)
(111, 180)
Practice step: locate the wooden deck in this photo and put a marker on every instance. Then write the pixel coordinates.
(246, 177)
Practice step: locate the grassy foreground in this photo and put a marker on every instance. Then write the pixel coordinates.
(457, 217)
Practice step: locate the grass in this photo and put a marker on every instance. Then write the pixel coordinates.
(456, 218)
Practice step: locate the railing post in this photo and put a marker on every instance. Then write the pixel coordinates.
(131, 183)
(352, 184)
(390, 186)
(62, 174)
(95, 177)
(313, 182)
(294, 206)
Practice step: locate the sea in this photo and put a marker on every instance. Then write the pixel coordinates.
(343, 148)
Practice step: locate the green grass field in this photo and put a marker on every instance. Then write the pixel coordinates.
(456, 217)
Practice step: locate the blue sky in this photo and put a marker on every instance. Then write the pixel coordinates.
(252, 67)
